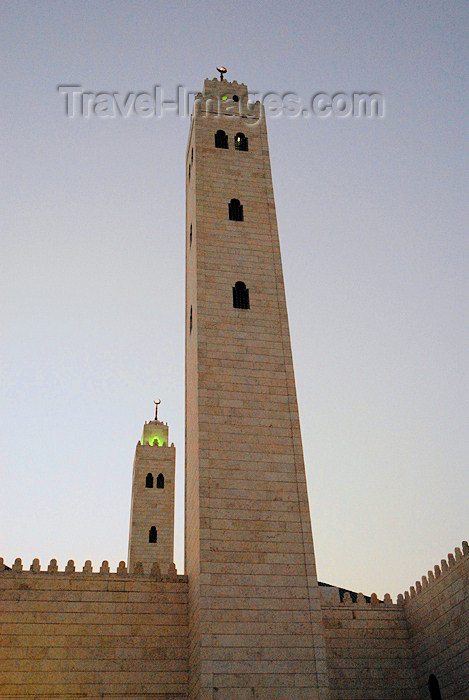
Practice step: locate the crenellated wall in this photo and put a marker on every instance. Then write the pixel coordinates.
(68, 634)
(437, 613)
(368, 654)
(85, 634)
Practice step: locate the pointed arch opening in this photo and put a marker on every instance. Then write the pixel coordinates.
(153, 535)
(160, 481)
(149, 481)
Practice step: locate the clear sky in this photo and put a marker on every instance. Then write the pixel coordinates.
(372, 217)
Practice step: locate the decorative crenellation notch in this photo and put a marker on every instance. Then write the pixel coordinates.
(427, 581)
(138, 569)
(88, 567)
(35, 566)
(105, 568)
(2, 564)
(122, 569)
(155, 571)
(70, 568)
(172, 572)
(18, 565)
(52, 568)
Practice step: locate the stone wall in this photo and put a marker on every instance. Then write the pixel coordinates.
(367, 645)
(92, 635)
(437, 614)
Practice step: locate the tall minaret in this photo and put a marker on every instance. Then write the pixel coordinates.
(255, 618)
(151, 536)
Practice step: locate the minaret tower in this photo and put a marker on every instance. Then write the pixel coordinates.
(151, 536)
(254, 611)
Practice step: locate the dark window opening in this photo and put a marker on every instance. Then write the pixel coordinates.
(149, 481)
(189, 171)
(160, 481)
(434, 688)
(152, 535)
(192, 155)
(190, 321)
(221, 139)
(190, 236)
(235, 210)
(235, 98)
(241, 142)
(240, 296)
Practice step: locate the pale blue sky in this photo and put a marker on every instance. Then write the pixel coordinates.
(373, 226)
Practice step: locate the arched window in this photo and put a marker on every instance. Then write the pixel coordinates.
(241, 142)
(152, 535)
(189, 171)
(235, 210)
(221, 139)
(192, 155)
(434, 687)
(190, 236)
(190, 321)
(149, 481)
(160, 481)
(240, 296)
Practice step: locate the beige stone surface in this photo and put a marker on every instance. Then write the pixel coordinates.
(248, 621)
(437, 616)
(92, 635)
(152, 506)
(248, 532)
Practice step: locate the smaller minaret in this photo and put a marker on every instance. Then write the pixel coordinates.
(151, 535)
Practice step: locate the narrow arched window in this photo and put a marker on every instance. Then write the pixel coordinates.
(149, 481)
(160, 481)
(240, 296)
(241, 142)
(192, 155)
(190, 236)
(190, 321)
(235, 210)
(221, 139)
(189, 171)
(434, 687)
(152, 535)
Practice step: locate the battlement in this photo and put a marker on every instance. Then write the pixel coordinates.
(331, 595)
(439, 570)
(154, 444)
(215, 87)
(154, 573)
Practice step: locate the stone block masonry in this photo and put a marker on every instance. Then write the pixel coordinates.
(72, 634)
(367, 646)
(437, 614)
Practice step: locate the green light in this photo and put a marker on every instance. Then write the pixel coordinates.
(225, 97)
(154, 440)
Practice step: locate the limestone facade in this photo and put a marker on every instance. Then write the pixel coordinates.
(85, 634)
(151, 535)
(248, 621)
(254, 609)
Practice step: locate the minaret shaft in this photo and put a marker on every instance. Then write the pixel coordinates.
(254, 601)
